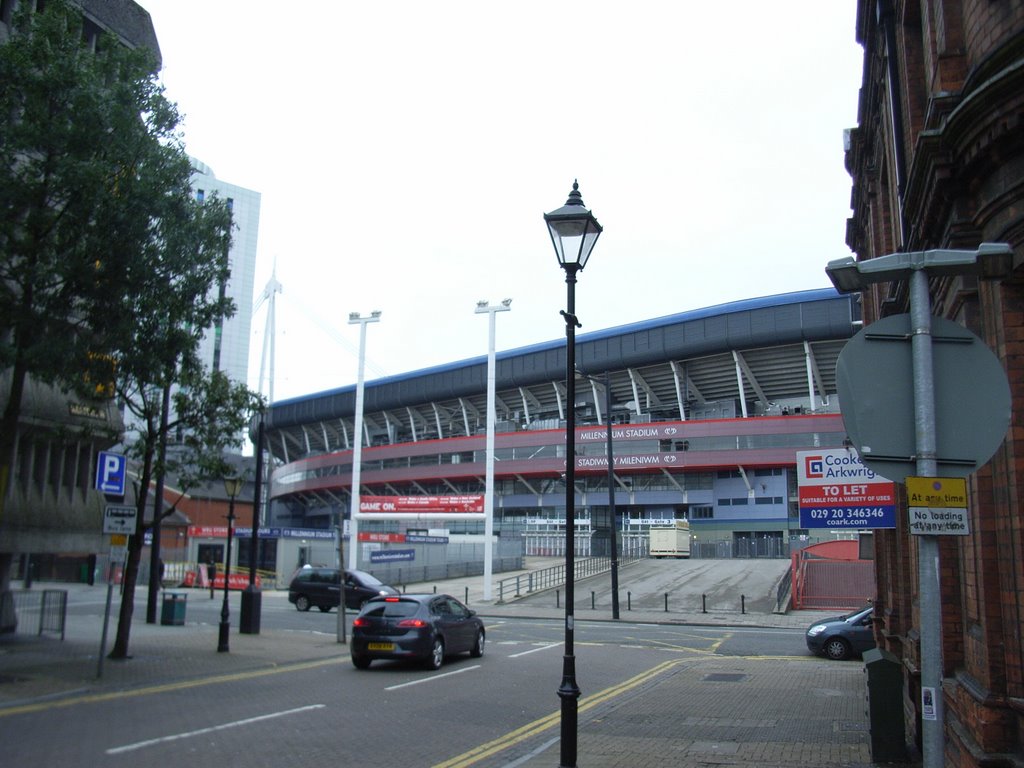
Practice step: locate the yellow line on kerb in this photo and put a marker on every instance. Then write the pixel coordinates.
(94, 698)
(539, 726)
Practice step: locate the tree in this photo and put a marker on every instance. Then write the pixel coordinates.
(77, 129)
(109, 266)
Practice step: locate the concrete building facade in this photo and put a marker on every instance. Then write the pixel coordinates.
(226, 347)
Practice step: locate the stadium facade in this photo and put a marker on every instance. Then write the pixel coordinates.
(708, 411)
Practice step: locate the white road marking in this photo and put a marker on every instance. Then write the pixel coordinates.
(431, 678)
(211, 729)
(534, 650)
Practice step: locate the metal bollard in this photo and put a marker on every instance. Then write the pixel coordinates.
(666, 602)
(629, 601)
(703, 603)
(466, 601)
(592, 604)
(558, 595)
(743, 603)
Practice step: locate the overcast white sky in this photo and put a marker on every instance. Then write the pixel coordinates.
(406, 151)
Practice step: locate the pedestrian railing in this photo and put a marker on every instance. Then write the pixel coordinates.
(41, 610)
(554, 576)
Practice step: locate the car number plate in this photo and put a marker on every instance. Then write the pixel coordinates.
(380, 646)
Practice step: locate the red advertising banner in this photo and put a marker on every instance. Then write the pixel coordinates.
(235, 581)
(382, 538)
(375, 505)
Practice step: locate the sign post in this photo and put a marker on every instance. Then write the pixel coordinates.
(931, 408)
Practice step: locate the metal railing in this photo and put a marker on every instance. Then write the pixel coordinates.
(554, 576)
(41, 611)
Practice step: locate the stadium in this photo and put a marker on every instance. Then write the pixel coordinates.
(708, 409)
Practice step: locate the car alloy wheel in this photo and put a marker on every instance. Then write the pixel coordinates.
(302, 603)
(478, 647)
(436, 658)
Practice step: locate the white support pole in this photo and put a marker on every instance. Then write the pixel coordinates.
(482, 307)
(357, 446)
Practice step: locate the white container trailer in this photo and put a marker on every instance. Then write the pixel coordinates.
(670, 541)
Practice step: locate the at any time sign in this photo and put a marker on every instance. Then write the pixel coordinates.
(838, 492)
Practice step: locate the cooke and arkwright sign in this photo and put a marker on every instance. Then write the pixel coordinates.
(838, 492)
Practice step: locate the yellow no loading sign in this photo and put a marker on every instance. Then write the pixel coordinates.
(938, 506)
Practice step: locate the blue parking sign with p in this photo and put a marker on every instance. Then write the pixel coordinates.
(111, 469)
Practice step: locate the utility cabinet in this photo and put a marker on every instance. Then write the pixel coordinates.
(885, 706)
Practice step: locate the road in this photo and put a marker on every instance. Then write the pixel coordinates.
(327, 712)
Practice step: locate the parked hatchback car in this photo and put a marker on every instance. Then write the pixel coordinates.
(426, 628)
(841, 637)
(321, 587)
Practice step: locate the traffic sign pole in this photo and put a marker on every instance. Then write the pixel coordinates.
(989, 261)
(928, 545)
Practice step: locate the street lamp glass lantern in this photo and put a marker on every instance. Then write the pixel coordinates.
(574, 231)
(232, 486)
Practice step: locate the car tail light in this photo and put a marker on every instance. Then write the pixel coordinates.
(411, 623)
(391, 599)
(360, 622)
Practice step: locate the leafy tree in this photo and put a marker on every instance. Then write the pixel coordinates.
(78, 128)
(109, 266)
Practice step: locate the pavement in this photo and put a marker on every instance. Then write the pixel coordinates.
(704, 710)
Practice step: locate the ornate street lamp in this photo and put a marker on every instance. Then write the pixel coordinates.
(232, 485)
(574, 231)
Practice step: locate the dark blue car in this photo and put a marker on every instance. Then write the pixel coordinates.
(424, 628)
(842, 637)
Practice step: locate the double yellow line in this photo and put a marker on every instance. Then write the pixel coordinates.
(537, 727)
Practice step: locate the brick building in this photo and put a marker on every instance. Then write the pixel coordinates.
(937, 161)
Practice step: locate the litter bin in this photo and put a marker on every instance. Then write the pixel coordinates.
(173, 611)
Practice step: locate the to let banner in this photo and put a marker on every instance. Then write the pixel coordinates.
(838, 492)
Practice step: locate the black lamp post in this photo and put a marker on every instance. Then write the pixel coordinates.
(614, 536)
(232, 485)
(252, 597)
(611, 495)
(574, 231)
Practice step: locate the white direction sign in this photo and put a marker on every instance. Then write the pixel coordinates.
(119, 519)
